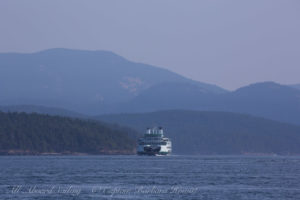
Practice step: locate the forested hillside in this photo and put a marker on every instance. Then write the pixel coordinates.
(22, 133)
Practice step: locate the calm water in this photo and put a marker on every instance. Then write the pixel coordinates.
(133, 177)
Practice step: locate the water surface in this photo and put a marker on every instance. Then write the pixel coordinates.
(142, 177)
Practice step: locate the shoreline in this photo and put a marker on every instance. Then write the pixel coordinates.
(66, 153)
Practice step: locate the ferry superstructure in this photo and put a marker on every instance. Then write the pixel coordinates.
(154, 143)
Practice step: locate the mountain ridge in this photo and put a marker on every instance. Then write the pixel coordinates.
(297, 86)
(79, 80)
(266, 99)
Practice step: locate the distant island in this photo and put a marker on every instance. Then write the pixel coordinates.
(36, 134)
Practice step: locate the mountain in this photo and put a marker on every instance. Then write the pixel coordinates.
(83, 81)
(164, 96)
(42, 110)
(267, 99)
(297, 86)
(202, 132)
(22, 133)
(99, 82)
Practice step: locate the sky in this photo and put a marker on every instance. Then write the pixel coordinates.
(230, 43)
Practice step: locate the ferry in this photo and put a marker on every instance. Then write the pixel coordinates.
(154, 143)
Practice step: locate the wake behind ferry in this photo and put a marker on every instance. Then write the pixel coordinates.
(154, 143)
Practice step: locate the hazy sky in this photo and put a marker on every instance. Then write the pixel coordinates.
(225, 42)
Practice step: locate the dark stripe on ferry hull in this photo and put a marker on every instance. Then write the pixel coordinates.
(152, 154)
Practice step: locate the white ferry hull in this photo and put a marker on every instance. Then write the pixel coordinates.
(152, 151)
